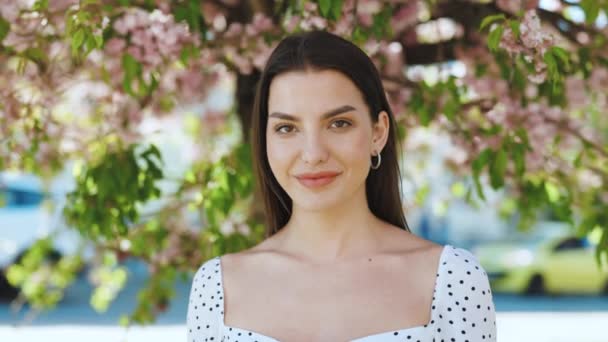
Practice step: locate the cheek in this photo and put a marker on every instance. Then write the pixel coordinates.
(356, 148)
(279, 155)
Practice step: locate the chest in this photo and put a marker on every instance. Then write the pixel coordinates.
(336, 305)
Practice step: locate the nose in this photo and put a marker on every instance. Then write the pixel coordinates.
(314, 150)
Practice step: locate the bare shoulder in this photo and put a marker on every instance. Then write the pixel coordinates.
(237, 260)
(240, 265)
(407, 244)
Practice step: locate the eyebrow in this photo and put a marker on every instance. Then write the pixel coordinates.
(325, 116)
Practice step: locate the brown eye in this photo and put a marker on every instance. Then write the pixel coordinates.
(342, 123)
(280, 129)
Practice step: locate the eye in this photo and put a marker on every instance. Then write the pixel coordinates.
(341, 123)
(280, 129)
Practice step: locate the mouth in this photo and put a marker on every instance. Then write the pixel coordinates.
(318, 180)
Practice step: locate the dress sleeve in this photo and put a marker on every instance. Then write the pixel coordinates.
(465, 304)
(204, 310)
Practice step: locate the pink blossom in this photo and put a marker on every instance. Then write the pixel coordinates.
(142, 37)
(154, 36)
(19, 42)
(514, 6)
(164, 6)
(365, 19)
(318, 22)
(151, 58)
(406, 16)
(394, 59)
(136, 52)
(190, 82)
(497, 115)
(291, 23)
(234, 30)
(262, 54)
(124, 24)
(61, 5)
(509, 43)
(310, 6)
(538, 78)
(243, 64)
(348, 6)
(598, 78)
(531, 33)
(261, 22)
(369, 7)
(115, 46)
(10, 10)
(251, 30)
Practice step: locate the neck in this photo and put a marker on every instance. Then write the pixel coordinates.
(345, 231)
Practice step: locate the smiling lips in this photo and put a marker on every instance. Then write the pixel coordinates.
(314, 180)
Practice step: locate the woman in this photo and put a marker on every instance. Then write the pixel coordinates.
(339, 262)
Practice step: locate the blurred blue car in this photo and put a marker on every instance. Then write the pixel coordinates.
(28, 213)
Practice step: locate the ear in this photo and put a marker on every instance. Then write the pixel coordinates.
(380, 132)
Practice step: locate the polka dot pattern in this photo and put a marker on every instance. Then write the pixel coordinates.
(462, 308)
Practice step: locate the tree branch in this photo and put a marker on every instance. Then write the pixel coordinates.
(567, 28)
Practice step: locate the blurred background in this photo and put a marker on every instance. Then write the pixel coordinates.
(124, 161)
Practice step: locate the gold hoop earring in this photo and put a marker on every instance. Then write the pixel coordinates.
(375, 167)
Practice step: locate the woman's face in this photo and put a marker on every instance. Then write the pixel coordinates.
(319, 122)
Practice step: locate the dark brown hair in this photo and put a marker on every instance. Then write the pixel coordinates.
(320, 50)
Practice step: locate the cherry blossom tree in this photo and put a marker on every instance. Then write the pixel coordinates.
(519, 86)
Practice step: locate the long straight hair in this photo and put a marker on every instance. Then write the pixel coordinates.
(320, 50)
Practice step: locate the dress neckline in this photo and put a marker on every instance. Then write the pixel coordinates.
(358, 339)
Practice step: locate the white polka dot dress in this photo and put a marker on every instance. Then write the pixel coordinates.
(462, 308)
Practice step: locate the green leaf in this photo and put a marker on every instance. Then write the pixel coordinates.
(552, 191)
(491, 19)
(381, 22)
(21, 64)
(131, 68)
(77, 39)
(552, 69)
(90, 43)
(36, 55)
(519, 79)
(325, 7)
(562, 55)
(5, 27)
(584, 57)
(84, 3)
(16, 275)
(579, 158)
(336, 9)
(519, 158)
(359, 36)
(478, 164)
(478, 187)
(494, 38)
(451, 108)
(98, 40)
(602, 247)
(41, 5)
(514, 25)
(190, 13)
(498, 168)
(482, 159)
(591, 9)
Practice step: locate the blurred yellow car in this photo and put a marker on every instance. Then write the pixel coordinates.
(555, 263)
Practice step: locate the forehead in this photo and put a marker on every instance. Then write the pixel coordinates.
(312, 91)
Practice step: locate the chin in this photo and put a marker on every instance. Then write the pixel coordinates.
(317, 201)
(324, 198)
